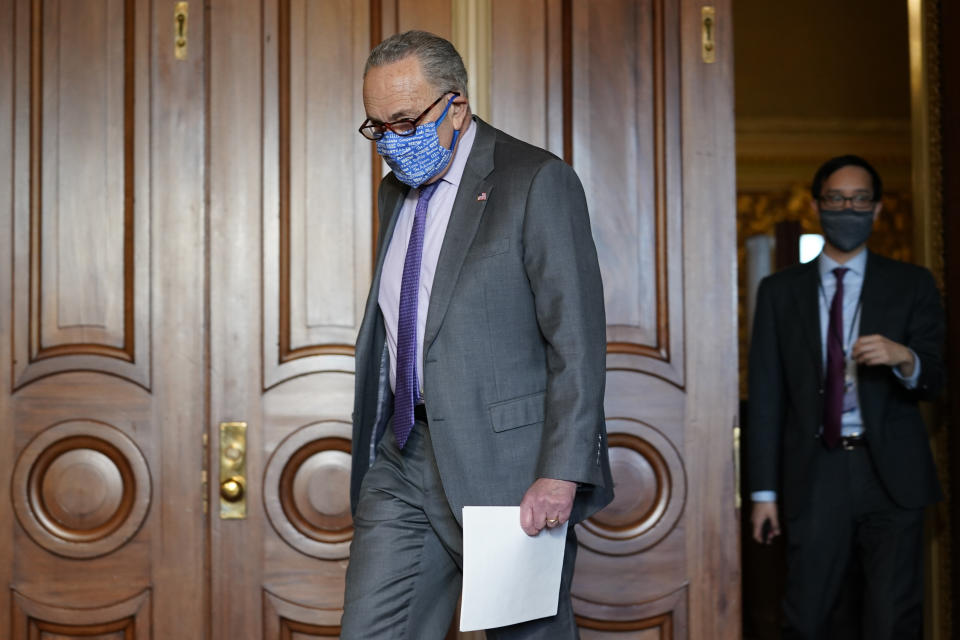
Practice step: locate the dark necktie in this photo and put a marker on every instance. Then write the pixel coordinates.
(833, 391)
(407, 391)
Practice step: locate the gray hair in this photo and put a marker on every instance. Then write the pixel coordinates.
(442, 66)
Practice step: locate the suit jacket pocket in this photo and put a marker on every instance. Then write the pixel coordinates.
(517, 412)
(488, 249)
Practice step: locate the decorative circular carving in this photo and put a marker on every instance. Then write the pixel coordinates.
(650, 496)
(306, 491)
(81, 489)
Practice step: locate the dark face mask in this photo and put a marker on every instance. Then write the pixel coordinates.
(846, 229)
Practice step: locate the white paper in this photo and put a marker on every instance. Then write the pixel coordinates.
(508, 577)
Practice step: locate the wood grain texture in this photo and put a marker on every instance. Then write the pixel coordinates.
(622, 110)
(179, 330)
(106, 168)
(8, 24)
(317, 254)
(240, 139)
(125, 620)
(709, 195)
(81, 272)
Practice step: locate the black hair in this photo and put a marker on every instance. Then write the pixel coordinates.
(832, 165)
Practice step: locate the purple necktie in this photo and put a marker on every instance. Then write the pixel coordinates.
(833, 392)
(407, 391)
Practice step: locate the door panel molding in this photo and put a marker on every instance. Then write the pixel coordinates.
(317, 222)
(125, 620)
(81, 221)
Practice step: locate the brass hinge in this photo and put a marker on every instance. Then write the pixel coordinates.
(205, 475)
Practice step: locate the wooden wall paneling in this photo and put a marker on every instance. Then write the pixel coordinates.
(81, 289)
(622, 112)
(291, 257)
(532, 67)
(307, 424)
(7, 30)
(709, 233)
(105, 500)
(434, 16)
(624, 117)
(321, 262)
(179, 282)
(240, 94)
(126, 620)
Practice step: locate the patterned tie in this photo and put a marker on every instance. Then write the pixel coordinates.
(833, 400)
(407, 390)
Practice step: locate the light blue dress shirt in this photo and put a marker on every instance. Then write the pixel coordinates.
(851, 420)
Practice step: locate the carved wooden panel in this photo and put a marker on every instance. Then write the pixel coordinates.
(596, 83)
(317, 248)
(660, 619)
(126, 620)
(306, 490)
(81, 489)
(651, 491)
(286, 620)
(81, 260)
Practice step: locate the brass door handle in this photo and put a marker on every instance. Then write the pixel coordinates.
(233, 470)
(232, 489)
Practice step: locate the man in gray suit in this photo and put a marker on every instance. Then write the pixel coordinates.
(481, 356)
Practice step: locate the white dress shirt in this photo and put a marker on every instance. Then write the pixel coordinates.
(851, 420)
(438, 216)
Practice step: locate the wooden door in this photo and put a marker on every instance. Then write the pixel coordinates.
(620, 89)
(102, 529)
(159, 285)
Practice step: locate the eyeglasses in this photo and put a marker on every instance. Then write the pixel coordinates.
(402, 127)
(836, 202)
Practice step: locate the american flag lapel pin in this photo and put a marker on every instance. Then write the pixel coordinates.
(482, 196)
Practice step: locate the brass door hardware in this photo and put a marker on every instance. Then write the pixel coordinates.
(233, 470)
(180, 31)
(708, 38)
(737, 500)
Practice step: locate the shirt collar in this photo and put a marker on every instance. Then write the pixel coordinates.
(856, 264)
(459, 162)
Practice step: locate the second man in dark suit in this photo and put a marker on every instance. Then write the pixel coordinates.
(842, 350)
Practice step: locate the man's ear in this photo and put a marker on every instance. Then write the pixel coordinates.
(460, 112)
(876, 211)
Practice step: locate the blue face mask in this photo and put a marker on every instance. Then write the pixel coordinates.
(420, 156)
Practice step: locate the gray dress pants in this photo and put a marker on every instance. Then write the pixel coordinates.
(405, 571)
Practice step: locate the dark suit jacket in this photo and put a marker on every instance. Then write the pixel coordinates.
(899, 301)
(515, 340)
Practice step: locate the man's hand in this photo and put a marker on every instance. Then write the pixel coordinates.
(547, 503)
(877, 350)
(762, 512)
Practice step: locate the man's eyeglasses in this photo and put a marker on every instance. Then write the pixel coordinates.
(836, 202)
(402, 127)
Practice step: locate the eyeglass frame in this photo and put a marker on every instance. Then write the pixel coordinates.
(414, 122)
(871, 202)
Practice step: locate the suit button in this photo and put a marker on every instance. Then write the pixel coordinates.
(821, 391)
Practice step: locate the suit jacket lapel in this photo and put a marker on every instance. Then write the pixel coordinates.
(464, 221)
(808, 310)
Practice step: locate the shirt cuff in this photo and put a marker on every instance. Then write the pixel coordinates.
(911, 382)
(764, 496)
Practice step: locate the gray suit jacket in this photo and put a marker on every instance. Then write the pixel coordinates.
(515, 343)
